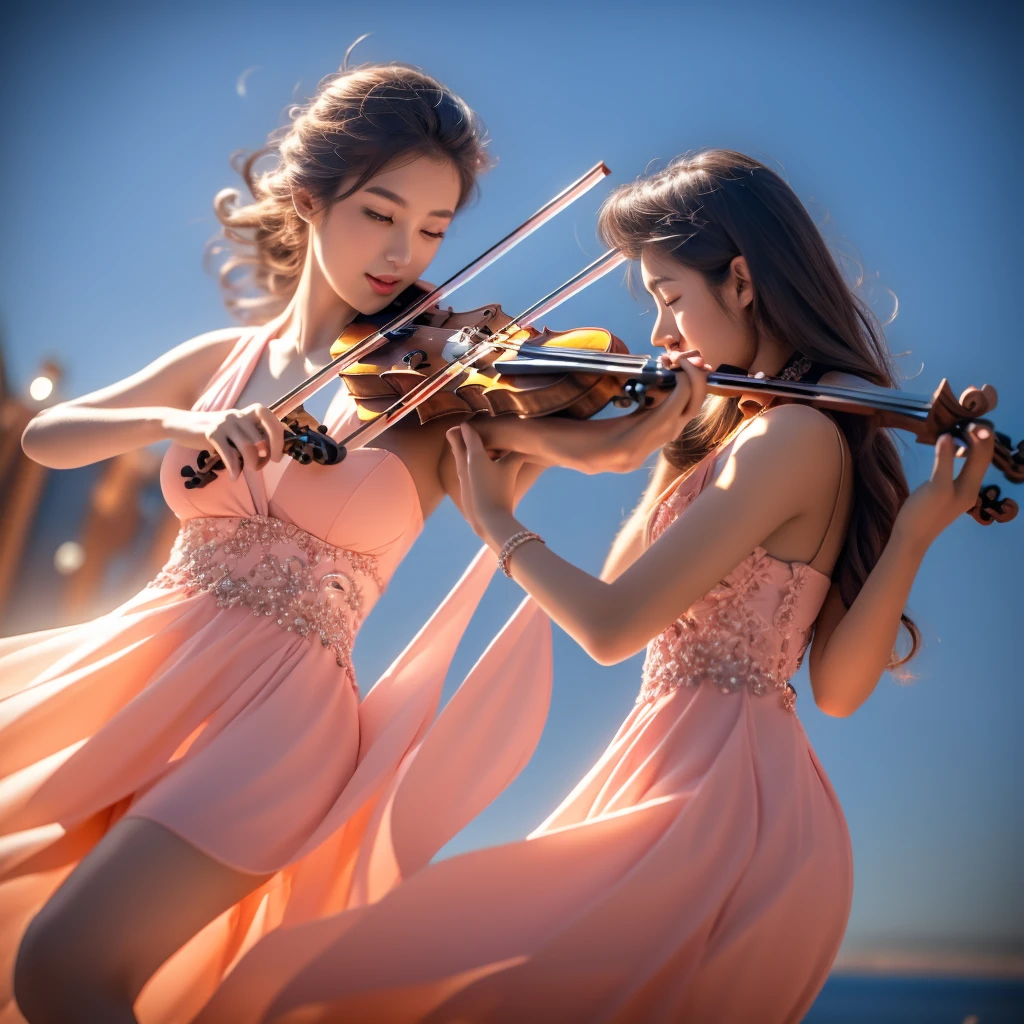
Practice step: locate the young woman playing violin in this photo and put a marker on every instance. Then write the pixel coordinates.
(199, 755)
(701, 871)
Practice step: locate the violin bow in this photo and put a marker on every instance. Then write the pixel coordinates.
(478, 348)
(313, 445)
(361, 349)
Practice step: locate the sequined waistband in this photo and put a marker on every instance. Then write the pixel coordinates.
(689, 654)
(275, 569)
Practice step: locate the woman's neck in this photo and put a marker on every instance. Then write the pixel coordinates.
(316, 314)
(770, 358)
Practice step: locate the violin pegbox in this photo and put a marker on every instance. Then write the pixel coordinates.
(948, 414)
(307, 441)
(1008, 459)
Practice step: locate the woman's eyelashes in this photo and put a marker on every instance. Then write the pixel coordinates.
(383, 218)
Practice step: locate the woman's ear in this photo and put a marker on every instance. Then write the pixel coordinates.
(740, 287)
(303, 203)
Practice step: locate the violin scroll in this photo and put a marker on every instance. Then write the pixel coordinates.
(978, 401)
(307, 444)
(949, 414)
(304, 442)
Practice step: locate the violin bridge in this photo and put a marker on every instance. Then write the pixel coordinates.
(459, 344)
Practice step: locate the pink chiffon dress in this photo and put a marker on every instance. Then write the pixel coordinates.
(220, 702)
(700, 872)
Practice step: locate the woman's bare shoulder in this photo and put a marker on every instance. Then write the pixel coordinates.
(175, 378)
(802, 446)
(211, 345)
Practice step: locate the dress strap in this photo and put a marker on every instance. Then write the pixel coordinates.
(839, 491)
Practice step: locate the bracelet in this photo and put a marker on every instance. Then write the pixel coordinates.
(511, 544)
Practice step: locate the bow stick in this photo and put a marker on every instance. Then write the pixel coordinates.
(308, 445)
(477, 349)
(550, 209)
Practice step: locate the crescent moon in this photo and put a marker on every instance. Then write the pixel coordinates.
(240, 84)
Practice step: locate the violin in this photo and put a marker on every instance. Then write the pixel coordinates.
(927, 418)
(578, 372)
(307, 441)
(486, 362)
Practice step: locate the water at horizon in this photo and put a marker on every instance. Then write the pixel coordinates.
(895, 999)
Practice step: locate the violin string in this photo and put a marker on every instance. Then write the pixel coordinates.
(485, 346)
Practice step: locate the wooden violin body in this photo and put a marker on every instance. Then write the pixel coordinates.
(396, 369)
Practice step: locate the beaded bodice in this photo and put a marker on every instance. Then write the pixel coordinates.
(272, 568)
(309, 548)
(748, 633)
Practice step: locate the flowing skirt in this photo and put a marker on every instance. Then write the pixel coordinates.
(250, 743)
(701, 872)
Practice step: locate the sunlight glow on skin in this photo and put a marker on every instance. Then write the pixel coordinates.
(719, 327)
(391, 229)
(689, 316)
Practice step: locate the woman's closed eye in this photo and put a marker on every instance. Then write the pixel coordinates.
(383, 218)
(374, 215)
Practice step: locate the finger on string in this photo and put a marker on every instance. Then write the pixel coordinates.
(942, 469)
(672, 357)
(458, 447)
(228, 455)
(979, 455)
(474, 442)
(254, 446)
(697, 379)
(273, 428)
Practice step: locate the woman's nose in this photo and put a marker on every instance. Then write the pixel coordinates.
(399, 252)
(659, 339)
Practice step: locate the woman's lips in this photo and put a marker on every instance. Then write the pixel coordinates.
(382, 285)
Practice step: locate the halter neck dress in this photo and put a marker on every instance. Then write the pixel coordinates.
(221, 703)
(700, 872)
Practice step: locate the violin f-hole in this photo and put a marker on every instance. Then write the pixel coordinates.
(416, 359)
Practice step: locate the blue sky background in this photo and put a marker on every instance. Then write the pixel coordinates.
(899, 126)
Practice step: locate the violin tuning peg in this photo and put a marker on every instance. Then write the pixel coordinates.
(187, 471)
(636, 391)
(991, 508)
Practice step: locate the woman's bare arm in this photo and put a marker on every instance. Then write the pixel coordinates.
(852, 648)
(628, 545)
(132, 413)
(780, 469)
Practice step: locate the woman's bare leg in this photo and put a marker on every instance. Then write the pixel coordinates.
(138, 897)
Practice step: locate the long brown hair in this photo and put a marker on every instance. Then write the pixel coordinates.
(705, 209)
(359, 122)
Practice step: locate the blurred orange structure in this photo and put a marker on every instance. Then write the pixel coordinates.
(73, 543)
